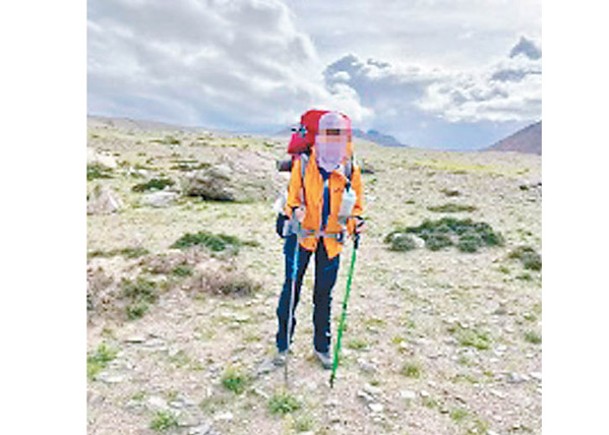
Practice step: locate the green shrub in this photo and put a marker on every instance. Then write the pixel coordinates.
(528, 256)
(532, 337)
(234, 380)
(167, 140)
(458, 414)
(283, 403)
(470, 242)
(411, 370)
(139, 294)
(99, 360)
(466, 234)
(437, 241)
(472, 338)
(303, 423)
(451, 208)
(400, 242)
(450, 192)
(153, 184)
(182, 271)
(213, 242)
(97, 170)
(136, 310)
(164, 421)
(357, 344)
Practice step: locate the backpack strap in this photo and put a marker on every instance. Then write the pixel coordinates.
(304, 162)
(349, 169)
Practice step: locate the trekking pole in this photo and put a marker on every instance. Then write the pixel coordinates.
(291, 306)
(344, 312)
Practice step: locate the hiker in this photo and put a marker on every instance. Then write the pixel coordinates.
(324, 202)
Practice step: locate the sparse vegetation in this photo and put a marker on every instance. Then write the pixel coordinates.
(450, 192)
(528, 256)
(227, 282)
(130, 252)
(400, 242)
(357, 344)
(466, 234)
(411, 370)
(303, 423)
(458, 414)
(532, 337)
(164, 421)
(208, 304)
(234, 380)
(99, 360)
(139, 294)
(213, 242)
(153, 184)
(452, 208)
(182, 271)
(471, 337)
(167, 140)
(97, 170)
(283, 403)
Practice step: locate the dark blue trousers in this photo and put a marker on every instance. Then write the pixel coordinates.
(326, 271)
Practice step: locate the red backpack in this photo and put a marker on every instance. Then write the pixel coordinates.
(304, 137)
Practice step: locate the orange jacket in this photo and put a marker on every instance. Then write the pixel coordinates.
(313, 202)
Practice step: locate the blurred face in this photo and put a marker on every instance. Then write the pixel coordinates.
(331, 141)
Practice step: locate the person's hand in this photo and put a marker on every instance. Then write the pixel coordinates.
(300, 213)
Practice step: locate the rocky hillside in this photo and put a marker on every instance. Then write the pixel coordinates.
(527, 140)
(184, 270)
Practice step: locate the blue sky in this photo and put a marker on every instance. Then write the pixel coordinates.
(458, 74)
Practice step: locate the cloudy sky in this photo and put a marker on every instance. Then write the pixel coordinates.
(454, 74)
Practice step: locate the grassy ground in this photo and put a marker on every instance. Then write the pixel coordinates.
(442, 342)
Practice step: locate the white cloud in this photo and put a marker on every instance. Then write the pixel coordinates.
(229, 64)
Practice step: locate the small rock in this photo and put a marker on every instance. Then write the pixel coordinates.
(376, 407)
(516, 378)
(366, 366)
(177, 404)
(109, 378)
(157, 403)
(202, 429)
(225, 416)
(331, 403)
(103, 200)
(408, 395)
(363, 395)
(424, 394)
(188, 421)
(536, 376)
(135, 339)
(371, 389)
(497, 393)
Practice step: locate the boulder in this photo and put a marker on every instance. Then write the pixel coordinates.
(213, 183)
(103, 201)
(96, 157)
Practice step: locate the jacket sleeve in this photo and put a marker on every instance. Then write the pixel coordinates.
(294, 188)
(358, 185)
(358, 208)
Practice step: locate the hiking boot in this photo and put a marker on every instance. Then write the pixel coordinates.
(280, 357)
(325, 359)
